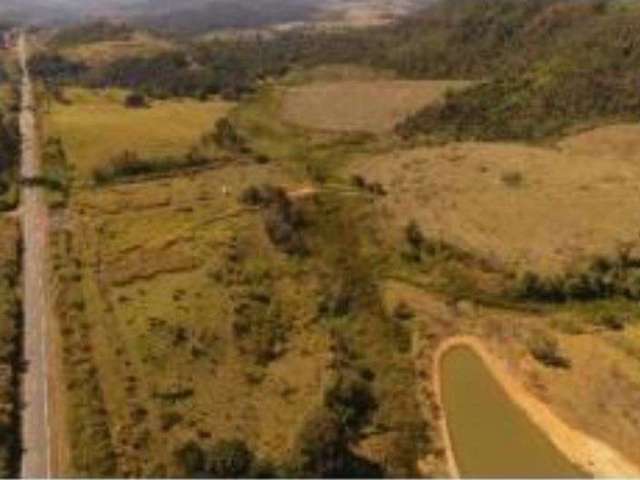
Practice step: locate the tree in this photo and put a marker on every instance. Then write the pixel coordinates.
(321, 450)
(225, 459)
(226, 136)
(350, 397)
(320, 447)
(191, 458)
(545, 348)
(229, 459)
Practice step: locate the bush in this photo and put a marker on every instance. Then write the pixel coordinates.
(414, 235)
(320, 447)
(601, 278)
(403, 311)
(225, 459)
(260, 330)
(338, 300)
(321, 450)
(129, 164)
(135, 100)
(284, 222)
(611, 321)
(512, 179)
(263, 196)
(350, 397)
(359, 181)
(191, 458)
(229, 459)
(545, 348)
(227, 137)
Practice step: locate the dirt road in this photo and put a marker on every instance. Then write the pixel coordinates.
(35, 416)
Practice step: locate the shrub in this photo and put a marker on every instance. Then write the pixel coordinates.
(263, 196)
(129, 164)
(512, 179)
(403, 311)
(338, 300)
(350, 397)
(545, 348)
(227, 137)
(262, 159)
(135, 100)
(611, 321)
(414, 235)
(376, 188)
(229, 459)
(358, 181)
(224, 459)
(168, 420)
(320, 447)
(260, 331)
(321, 450)
(284, 222)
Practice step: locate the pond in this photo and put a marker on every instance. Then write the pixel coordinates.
(490, 435)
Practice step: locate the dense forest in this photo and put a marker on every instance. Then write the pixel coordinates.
(544, 65)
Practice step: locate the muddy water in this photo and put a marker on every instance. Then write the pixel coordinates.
(490, 435)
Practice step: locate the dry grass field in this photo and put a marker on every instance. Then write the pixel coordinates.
(96, 126)
(156, 272)
(155, 281)
(367, 106)
(598, 397)
(526, 207)
(99, 53)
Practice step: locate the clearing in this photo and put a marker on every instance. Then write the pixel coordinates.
(140, 44)
(95, 127)
(361, 106)
(162, 272)
(520, 206)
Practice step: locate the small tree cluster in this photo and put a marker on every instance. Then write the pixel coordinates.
(223, 459)
(323, 445)
(284, 224)
(227, 137)
(599, 279)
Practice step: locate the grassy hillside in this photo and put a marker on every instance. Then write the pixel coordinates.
(361, 106)
(96, 128)
(195, 310)
(561, 65)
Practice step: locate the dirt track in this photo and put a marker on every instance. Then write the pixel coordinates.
(35, 416)
(590, 454)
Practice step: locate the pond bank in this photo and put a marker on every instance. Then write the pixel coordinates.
(589, 454)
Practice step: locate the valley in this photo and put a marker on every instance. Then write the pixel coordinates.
(275, 254)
